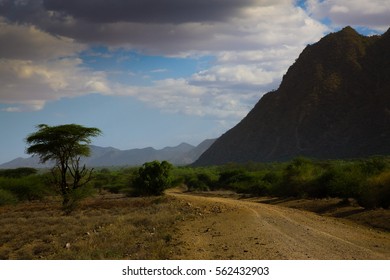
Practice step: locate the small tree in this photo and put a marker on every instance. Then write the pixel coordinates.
(65, 145)
(153, 178)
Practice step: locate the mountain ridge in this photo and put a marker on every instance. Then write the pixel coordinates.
(333, 102)
(181, 154)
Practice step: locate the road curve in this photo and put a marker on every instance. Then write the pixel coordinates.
(225, 228)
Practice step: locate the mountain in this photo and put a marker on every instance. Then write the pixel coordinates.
(333, 102)
(107, 156)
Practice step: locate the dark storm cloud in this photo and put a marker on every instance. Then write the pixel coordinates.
(148, 11)
(156, 26)
(22, 11)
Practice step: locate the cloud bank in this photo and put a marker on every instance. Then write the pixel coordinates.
(36, 67)
(253, 42)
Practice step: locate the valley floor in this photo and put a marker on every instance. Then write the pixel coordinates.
(190, 226)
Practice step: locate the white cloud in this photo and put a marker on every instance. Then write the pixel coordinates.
(159, 70)
(252, 52)
(27, 42)
(373, 14)
(31, 105)
(253, 49)
(231, 76)
(36, 67)
(182, 97)
(31, 83)
(12, 109)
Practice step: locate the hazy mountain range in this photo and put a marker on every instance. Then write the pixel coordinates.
(182, 154)
(333, 102)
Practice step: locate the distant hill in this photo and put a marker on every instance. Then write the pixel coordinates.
(333, 102)
(182, 154)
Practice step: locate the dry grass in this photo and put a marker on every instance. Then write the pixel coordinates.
(105, 227)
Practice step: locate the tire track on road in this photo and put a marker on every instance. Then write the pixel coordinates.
(249, 230)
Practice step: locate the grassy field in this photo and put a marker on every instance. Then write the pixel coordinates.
(104, 227)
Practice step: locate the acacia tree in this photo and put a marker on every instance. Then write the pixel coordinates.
(64, 145)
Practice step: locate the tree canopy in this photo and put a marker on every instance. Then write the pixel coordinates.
(64, 145)
(61, 143)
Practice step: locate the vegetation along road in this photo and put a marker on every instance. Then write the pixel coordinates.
(227, 228)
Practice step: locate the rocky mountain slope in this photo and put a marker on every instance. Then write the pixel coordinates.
(333, 102)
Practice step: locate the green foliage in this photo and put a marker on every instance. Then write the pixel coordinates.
(18, 172)
(297, 178)
(61, 143)
(374, 165)
(114, 180)
(200, 179)
(343, 181)
(152, 178)
(33, 187)
(376, 193)
(230, 177)
(76, 196)
(7, 197)
(64, 145)
(366, 180)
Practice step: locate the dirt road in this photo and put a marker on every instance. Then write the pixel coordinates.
(226, 228)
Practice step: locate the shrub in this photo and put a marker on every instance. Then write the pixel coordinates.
(18, 172)
(114, 181)
(297, 178)
(373, 166)
(152, 178)
(196, 184)
(259, 188)
(346, 182)
(76, 196)
(321, 186)
(32, 187)
(376, 193)
(230, 178)
(7, 197)
(202, 180)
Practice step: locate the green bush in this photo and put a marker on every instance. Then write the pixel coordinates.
(201, 180)
(258, 188)
(33, 187)
(366, 180)
(376, 193)
(76, 196)
(346, 182)
(152, 178)
(321, 186)
(196, 184)
(373, 166)
(18, 172)
(297, 178)
(230, 178)
(7, 197)
(114, 181)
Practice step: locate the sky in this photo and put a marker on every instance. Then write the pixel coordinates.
(154, 73)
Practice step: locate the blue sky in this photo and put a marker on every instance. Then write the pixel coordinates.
(156, 74)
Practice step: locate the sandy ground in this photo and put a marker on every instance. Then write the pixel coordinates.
(225, 228)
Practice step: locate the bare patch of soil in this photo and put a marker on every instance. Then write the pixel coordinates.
(228, 228)
(335, 207)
